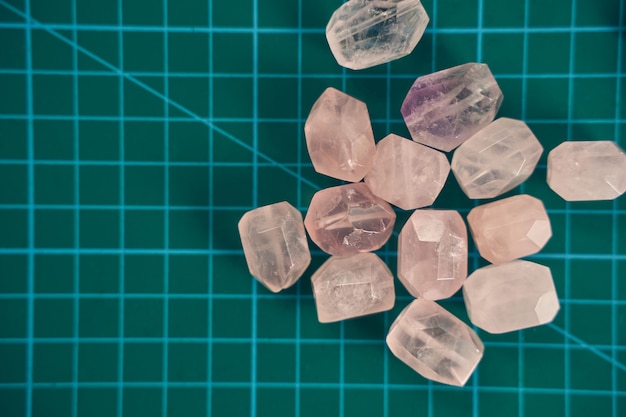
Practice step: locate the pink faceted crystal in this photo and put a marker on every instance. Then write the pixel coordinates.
(587, 170)
(435, 343)
(444, 109)
(511, 296)
(349, 219)
(496, 159)
(406, 173)
(339, 136)
(432, 254)
(352, 286)
(275, 245)
(510, 228)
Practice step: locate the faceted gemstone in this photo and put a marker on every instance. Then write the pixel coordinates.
(586, 171)
(435, 343)
(510, 296)
(510, 228)
(275, 245)
(349, 219)
(352, 286)
(406, 173)
(432, 254)
(364, 33)
(496, 159)
(444, 109)
(339, 136)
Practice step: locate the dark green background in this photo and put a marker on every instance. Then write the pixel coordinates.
(133, 136)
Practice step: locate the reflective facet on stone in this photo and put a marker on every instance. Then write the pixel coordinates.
(352, 286)
(406, 173)
(432, 254)
(587, 170)
(510, 228)
(364, 33)
(339, 136)
(444, 109)
(275, 245)
(496, 159)
(349, 219)
(510, 296)
(435, 343)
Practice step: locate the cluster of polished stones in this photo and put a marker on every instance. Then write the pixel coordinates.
(450, 110)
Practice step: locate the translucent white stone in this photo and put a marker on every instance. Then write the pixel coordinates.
(510, 296)
(275, 245)
(364, 33)
(352, 286)
(496, 159)
(435, 343)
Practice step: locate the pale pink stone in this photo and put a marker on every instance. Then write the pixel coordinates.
(445, 108)
(275, 245)
(587, 171)
(435, 343)
(349, 219)
(510, 228)
(339, 136)
(352, 286)
(432, 254)
(510, 296)
(406, 173)
(496, 159)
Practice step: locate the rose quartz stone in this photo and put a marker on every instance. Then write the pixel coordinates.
(339, 136)
(443, 109)
(587, 171)
(275, 245)
(352, 286)
(510, 228)
(510, 296)
(435, 343)
(407, 174)
(432, 254)
(349, 219)
(496, 159)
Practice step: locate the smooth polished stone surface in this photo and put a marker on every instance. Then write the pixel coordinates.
(364, 33)
(407, 174)
(339, 136)
(510, 228)
(443, 109)
(435, 343)
(496, 159)
(352, 286)
(587, 170)
(275, 245)
(432, 254)
(510, 296)
(349, 219)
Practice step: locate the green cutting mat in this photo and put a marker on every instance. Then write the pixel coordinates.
(133, 136)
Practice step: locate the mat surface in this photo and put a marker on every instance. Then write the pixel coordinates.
(133, 136)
